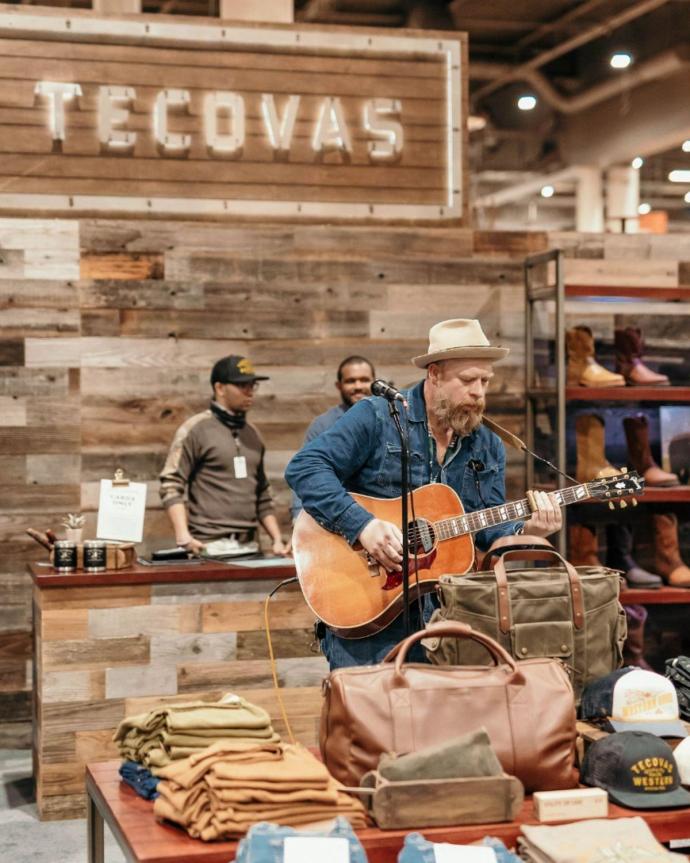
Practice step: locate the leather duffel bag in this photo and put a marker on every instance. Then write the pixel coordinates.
(527, 708)
(560, 611)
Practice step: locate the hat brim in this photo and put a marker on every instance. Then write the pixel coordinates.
(247, 379)
(675, 799)
(671, 728)
(478, 352)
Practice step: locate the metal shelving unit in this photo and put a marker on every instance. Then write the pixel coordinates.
(544, 281)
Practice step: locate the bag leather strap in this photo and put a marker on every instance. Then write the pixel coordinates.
(576, 598)
(450, 630)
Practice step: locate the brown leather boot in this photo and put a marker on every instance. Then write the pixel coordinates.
(667, 559)
(583, 369)
(589, 441)
(637, 435)
(583, 545)
(629, 349)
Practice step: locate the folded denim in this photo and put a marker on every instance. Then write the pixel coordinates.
(140, 779)
(264, 842)
(418, 849)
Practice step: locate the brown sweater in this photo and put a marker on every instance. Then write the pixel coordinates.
(201, 463)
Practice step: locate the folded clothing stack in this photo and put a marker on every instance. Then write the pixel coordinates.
(264, 843)
(175, 731)
(678, 672)
(221, 792)
(619, 839)
(417, 849)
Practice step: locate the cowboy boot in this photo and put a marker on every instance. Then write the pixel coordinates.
(583, 369)
(667, 559)
(637, 435)
(633, 649)
(583, 545)
(629, 346)
(589, 441)
(619, 547)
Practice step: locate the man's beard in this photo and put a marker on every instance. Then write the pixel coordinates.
(461, 418)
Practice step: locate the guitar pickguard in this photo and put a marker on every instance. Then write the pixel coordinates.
(424, 561)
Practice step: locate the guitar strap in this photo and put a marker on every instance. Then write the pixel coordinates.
(506, 436)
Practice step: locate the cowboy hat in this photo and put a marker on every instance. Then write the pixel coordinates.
(459, 338)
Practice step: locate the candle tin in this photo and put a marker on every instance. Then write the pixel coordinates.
(94, 555)
(65, 555)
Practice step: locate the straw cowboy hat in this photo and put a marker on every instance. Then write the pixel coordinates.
(459, 338)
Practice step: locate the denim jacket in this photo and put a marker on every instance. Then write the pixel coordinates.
(361, 453)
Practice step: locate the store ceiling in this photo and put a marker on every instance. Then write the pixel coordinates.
(558, 51)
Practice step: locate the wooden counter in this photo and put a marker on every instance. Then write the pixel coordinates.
(108, 645)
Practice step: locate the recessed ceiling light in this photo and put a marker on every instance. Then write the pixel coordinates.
(685, 146)
(643, 209)
(679, 176)
(547, 191)
(620, 60)
(687, 198)
(637, 163)
(527, 103)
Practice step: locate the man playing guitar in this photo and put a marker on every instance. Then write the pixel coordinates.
(448, 444)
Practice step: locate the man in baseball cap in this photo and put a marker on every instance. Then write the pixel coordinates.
(213, 484)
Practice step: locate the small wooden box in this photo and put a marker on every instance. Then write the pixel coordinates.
(443, 802)
(118, 555)
(573, 804)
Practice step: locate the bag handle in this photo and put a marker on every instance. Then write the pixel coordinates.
(450, 630)
(541, 554)
(516, 542)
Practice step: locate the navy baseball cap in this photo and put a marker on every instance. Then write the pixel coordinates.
(235, 370)
(636, 769)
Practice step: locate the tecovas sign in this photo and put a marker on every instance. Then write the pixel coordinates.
(162, 116)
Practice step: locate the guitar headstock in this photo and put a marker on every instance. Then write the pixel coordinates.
(616, 487)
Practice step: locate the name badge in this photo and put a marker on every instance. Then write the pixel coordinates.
(240, 463)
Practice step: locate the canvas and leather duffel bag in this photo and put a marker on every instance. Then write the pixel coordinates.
(527, 708)
(564, 612)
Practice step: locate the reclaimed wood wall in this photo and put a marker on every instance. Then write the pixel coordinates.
(109, 330)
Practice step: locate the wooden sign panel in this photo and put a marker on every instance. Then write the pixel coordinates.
(174, 116)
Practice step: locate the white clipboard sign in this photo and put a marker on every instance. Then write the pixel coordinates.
(121, 509)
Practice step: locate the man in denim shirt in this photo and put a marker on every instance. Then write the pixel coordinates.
(448, 444)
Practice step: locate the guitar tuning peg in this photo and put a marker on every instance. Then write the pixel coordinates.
(634, 501)
(624, 470)
(624, 505)
(612, 505)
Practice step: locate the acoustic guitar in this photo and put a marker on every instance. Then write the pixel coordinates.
(356, 596)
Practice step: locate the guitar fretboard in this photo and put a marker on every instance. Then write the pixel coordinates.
(471, 522)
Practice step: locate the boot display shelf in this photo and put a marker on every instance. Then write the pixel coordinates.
(545, 281)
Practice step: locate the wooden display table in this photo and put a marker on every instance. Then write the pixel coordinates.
(145, 840)
(114, 644)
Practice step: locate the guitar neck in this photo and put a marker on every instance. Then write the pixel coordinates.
(471, 522)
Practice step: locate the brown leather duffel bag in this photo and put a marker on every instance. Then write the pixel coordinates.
(527, 708)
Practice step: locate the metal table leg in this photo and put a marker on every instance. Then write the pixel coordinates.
(94, 831)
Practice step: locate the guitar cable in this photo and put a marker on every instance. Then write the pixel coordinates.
(274, 669)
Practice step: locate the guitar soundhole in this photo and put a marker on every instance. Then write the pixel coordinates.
(422, 537)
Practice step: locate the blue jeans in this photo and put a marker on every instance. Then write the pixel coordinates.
(346, 652)
(264, 842)
(417, 849)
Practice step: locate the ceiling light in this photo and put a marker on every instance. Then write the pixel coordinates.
(687, 198)
(643, 209)
(547, 191)
(637, 163)
(620, 60)
(679, 176)
(686, 146)
(527, 103)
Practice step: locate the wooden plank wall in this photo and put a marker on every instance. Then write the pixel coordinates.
(109, 329)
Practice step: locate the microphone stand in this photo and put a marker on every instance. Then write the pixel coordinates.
(405, 490)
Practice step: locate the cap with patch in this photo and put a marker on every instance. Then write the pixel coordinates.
(637, 770)
(235, 370)
(634, 700)
(682, 755)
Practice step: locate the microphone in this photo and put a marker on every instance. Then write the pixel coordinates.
(388, 392)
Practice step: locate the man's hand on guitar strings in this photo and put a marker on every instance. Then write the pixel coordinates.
(383, 541)
(547, 517)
